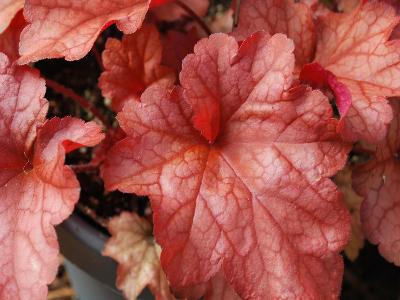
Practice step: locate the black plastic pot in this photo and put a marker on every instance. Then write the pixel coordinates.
(92, 275)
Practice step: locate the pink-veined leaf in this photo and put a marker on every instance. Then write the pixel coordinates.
(8, 9)
(9, 39)
(279, 16)
(36, 190)
(170, 11)
(350, 5)
(69, 28)
(355, 47)
(132, 245)
(133, 64)
(255, 205)
(378, 181)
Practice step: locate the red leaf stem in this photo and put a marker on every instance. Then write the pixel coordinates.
(191, 13)
(83, 102)
(98, 58)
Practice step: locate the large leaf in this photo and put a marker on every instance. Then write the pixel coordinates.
(378, 181)
(36, 190)
(8, 9)
(133, 64)
(69, 28)
(133, 247)
(279, 16)
(254, 202)
(356, 48)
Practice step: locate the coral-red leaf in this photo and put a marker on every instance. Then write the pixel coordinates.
(36, 190)
(315, 75)
(176, 45)
(279, 16)
(133, 64)
(69, 28)
(9, 39)
(355, 48)
(379, 182)
(257, 205)
(155, 3)
(170, 11)
(8, 9)
(132, 245)
(214, 77)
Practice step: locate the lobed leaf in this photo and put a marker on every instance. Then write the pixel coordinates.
(133, 64)
(36, 190)
(132, 246)
(253, 203)
(356, 48)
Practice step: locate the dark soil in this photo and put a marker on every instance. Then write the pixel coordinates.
(369, 277)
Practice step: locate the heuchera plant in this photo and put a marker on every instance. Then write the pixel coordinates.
(236, 138)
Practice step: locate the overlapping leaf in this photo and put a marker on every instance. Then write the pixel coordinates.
(133, 64)
(378, 181)
(133, 247)
(356, 48)
(248, 197)
(69, 28)
(8, 9)
(36, 190)
(279, 16)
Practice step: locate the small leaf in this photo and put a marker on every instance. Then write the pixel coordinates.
(133, 64)
(69, 28)
(132, 245)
